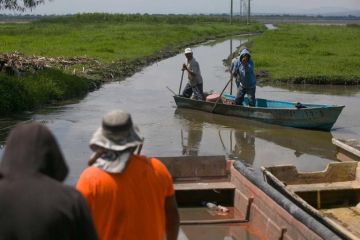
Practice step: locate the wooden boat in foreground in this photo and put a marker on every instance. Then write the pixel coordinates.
(308, 116)
(256, 210)
(331, 196)
(347, 150)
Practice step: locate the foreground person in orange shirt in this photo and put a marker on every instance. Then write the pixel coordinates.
(130, 196)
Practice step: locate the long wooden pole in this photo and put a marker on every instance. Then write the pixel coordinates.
(182, 76)
(231, 78)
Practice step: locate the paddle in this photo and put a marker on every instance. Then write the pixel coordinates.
(217, 101)
(139, 148)
(171, 90)
(182, 76)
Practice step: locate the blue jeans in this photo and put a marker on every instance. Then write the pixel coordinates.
(241, 94)
(197, 90)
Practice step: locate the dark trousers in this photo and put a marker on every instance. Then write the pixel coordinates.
(197, 90)
(241, 94)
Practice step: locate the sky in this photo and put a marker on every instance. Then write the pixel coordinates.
(194, 6)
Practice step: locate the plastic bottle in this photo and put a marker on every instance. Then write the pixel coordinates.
(222, 208)
(210, 205)
(213, 206)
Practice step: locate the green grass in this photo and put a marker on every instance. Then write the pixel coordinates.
(112, 37)
(44, 87)
(309, 54)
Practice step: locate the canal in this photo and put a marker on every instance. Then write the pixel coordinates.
(171, 132)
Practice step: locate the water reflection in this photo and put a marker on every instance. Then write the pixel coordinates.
(238, 137)
(190, 142)
(6, 124)
(243, 148)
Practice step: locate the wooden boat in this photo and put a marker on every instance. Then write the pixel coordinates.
(347, 150)
(331, 196)
(308, 116)
(255, 209)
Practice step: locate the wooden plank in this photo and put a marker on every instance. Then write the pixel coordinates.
(334, 172)
(347, 220)
(324, 186)
(213, 221)
(344, 156)
(195, 166)
(203, 186)
(350, 148)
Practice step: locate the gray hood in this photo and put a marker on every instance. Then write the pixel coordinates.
(244, 52)
(32, 149)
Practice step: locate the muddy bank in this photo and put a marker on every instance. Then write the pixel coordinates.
(265, 78)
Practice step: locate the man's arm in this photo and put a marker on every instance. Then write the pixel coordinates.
(85, 228)
(194, 68)
(234, 67)
(172, 218)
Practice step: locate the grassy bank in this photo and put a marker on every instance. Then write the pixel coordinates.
(121, 44)
(43, 87)
(309, 54)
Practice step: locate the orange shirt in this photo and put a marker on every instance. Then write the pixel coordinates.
(129, 205)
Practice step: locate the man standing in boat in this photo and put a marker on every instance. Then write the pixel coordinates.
(195, 84)
(243, 70)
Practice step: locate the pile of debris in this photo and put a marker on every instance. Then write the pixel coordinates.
(16, 62)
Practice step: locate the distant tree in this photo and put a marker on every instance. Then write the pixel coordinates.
(19, 5)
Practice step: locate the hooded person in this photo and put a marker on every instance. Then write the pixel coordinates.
(34, 205)
(246, 80)
(130, 196)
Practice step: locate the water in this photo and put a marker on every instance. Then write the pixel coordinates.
(171, 132)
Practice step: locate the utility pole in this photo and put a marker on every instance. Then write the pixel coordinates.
(240, 13)
(248, 16)
(231, 11)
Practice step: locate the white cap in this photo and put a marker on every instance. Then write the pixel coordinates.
(188, 50)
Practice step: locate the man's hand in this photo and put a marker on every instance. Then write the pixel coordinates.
(184, 67)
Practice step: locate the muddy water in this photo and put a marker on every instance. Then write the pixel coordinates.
(169, 131)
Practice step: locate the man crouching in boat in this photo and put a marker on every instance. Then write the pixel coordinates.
(195, 84)
(243, 70)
